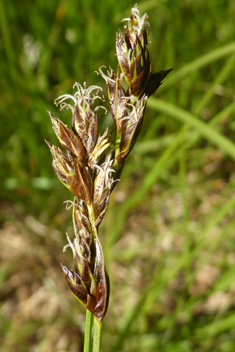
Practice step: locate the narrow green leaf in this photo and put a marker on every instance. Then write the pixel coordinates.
(207, 131)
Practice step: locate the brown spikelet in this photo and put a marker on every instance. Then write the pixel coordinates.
(89, 281)
(68, 139)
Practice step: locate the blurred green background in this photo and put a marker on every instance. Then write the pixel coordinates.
(169, 233)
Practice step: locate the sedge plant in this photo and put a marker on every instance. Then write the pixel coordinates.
(91, 164)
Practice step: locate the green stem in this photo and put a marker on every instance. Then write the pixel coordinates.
(88, 328)
(97, 329)
(116, 165)
(97, 325)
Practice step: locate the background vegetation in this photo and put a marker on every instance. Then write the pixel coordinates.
(169, 233)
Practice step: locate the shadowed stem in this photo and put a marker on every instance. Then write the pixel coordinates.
(88, 328)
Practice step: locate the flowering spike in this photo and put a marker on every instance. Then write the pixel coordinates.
(133, 56)
(91, 167)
